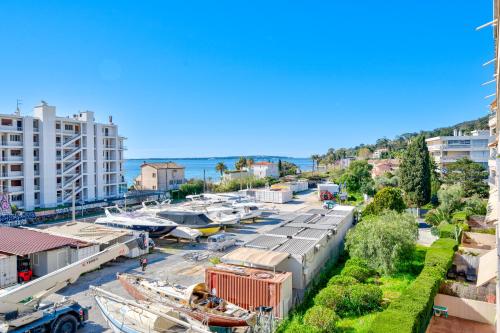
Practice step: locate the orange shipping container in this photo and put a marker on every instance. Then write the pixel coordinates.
(251, 288)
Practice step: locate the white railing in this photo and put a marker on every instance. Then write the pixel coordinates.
(10, 128)
(12, 143)
(15, 189)
(15, 174)
(11, 159)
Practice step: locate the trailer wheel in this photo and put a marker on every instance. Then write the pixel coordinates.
(66, 324)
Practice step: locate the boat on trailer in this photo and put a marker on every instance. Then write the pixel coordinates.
(127, 316)
(195, 301)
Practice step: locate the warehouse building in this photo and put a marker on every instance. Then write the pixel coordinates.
(310, 240)
(45, 253)
(102, 236)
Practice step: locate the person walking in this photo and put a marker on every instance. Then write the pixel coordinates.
(144, 263)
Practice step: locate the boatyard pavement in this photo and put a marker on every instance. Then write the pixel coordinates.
(172, 261)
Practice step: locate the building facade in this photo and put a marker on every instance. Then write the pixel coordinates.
(42, 156)
(449, 149)
(160, 176)
(265, 169)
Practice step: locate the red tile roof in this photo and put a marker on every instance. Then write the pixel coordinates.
(263, 163)
(23, 241)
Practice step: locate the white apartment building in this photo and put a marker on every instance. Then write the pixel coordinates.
(265, 169)
(449, 149)
(43, 155)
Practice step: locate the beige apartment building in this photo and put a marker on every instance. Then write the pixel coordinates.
(160, 176)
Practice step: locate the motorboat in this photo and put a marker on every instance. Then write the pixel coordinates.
(195, 301)
(154, 206)
(129, 316)
(136, 221)
(192, 219)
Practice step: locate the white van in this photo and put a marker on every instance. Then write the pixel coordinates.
(222, 241)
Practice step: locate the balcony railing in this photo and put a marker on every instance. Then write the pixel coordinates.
(15, 189)
(11, 159)
(10, 128)
(12, 143)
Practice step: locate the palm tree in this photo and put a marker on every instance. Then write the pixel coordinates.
(220, 167)
(315, 158)
(250, 162)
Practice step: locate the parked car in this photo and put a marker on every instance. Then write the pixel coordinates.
(222, 241)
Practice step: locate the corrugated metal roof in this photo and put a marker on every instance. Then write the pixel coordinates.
(311, 226)
(22, 241)
(266, 242)
(296, 246)
(319, 211)
(331, 220)
(305, 218)
(245, 256)
(88, 232)
(284, 231)
(312, 233)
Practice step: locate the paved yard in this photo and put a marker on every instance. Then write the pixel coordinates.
(457, 325)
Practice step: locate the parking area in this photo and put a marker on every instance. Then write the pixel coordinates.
(183, 263)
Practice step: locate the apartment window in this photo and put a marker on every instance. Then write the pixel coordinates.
(6, 122)
(16, 152)
(58, 126)
(15, 137)
(17, 197)
(15, 167)
(36, 259)
(154, 187)
(68, 127)
(16, 182)
(153, 175)
(19, 124)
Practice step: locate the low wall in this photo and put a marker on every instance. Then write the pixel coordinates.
(482, 312)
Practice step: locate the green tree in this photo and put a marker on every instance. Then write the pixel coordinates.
(241, 163)
(287, 168)
(450, 197)
(364, 153)
(388, 198)
(220, 167)
(358, 177)
(415, 173)
(315, 158)
(386, 241)
(250, 162)
(470, 175)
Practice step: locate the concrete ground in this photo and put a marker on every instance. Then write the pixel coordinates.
(170, 261)
(457, 325)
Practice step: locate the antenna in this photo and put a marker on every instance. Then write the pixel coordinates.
(18, 103)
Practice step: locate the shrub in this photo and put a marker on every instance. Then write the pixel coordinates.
(359, 273)
(331, 297)
(437, 216)
(411, 312)
(460, 217)
(388, 198)
(321, 318)
(450, 197)
(342, 280)
(384, 241)
(296, 326)
(475, 205)
(363, 298)
(453, 231)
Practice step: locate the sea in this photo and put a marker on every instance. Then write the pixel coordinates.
(196, 166)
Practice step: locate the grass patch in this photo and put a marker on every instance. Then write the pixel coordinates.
(356, 324)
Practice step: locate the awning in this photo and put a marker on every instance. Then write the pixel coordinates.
(488, 268)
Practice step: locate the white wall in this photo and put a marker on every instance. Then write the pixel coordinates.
(29, 173)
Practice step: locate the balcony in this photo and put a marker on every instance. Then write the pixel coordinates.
(492, 120)
(5, 128)
(36, 144)
(13, 189)
(15, 174)
(11, 159)
(12, 143)
(37, 187)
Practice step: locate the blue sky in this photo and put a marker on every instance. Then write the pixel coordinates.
(215, 78)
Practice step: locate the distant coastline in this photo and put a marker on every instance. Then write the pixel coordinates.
(199, 167)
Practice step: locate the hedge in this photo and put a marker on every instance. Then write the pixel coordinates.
(411, 312)
(447, 230)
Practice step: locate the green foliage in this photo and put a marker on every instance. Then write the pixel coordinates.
(470, 175)
(388, 198)
(460, 217)
(220, 167)
(475, 205)
(191, 187)
(360, 273)
(241, 163)
(384, 241)
(237, 184)
(358, 177)
(363, 298)
(450, 197)
(321, 318)
(331, 297)
(287, 168)
(437, 216)
(411, 312)
(453, 231)
(386, 180)
(415, 172)
(342, 280)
